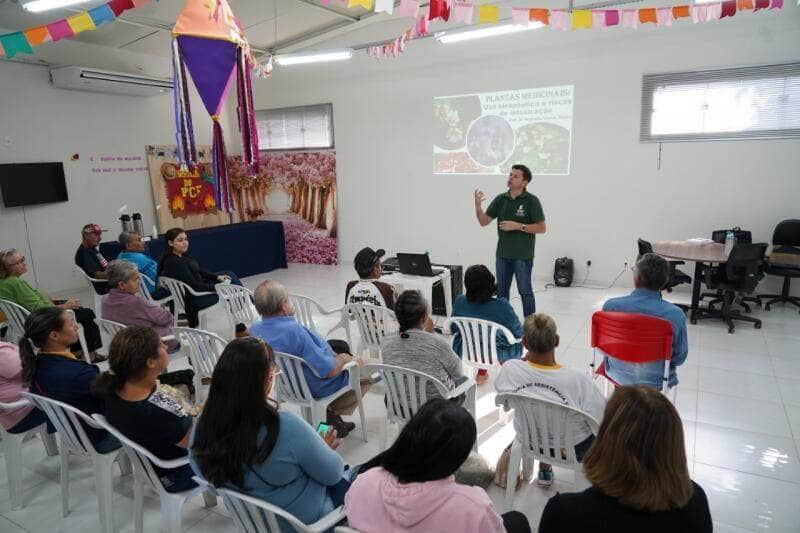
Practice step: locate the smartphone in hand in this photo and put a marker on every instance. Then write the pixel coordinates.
(322, 429)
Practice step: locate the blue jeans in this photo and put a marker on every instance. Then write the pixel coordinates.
(521, 269)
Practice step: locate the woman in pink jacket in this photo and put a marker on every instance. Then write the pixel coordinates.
(411, 488)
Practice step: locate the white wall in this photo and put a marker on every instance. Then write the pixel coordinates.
(49, 124)
(388, 196)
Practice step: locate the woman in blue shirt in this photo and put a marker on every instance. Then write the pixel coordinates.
(242, 442)
(481, 302)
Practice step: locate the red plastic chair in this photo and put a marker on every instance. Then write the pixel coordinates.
(632, 338)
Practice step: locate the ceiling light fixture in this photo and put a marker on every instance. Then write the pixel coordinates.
(314, 57)
(37, 6)
(493, 31)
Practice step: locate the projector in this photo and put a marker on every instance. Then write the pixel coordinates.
(562, 275)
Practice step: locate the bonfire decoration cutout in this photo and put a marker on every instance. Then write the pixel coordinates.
(209, 43)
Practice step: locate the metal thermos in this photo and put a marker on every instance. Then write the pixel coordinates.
(138, 227)
(125, 220)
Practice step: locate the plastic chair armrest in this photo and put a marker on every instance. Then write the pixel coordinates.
(353, 372)
(14, 405)
(166, 338)
(462, 389)
(198, 293)
(328, 521)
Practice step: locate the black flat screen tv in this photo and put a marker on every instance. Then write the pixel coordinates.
(32, 183)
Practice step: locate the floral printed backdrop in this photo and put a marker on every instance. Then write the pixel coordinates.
(299, 189)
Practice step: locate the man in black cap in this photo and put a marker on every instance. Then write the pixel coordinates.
(367, 289)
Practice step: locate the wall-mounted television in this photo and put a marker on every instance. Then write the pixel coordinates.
(32, 183)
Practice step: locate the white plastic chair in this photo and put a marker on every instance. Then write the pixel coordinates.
(98, 298)
(144, 475)
(254, 515)
(306, 308)
(374, 324)
(108, 328)
(544, 431)
(479, 341)
(293, 388)
(73, 440)
(16, 315)
(238, 304)
(407, 391)
(345, 529)
(204, 349)
(144, 291)
(11, 447)
(179, 291)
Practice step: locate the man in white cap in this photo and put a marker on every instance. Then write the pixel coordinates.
(367, 289)
(89, 258)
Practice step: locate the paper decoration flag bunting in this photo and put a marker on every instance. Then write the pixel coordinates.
(37, 35)
(139, 3)
(728, 8)
(119, 6)
(438, 9)
(612, 17)
(762, 4)
(384, 6)
(422, 26)
(520, 16)
(540, 15)
(408, 8)
(647, 15)
(581, 19)
(598, 19)
(679, 12)
(366, 4)
(714, 11)
(664, 16)
(2, 50)
(14, 43)
(559, 19)
(741, 5)
(629, 18)
(463, 12)
(776, 4)
(101, 14)
(80, 22)
(59, 30)
(488, 13)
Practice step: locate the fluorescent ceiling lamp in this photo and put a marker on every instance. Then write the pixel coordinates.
(492, 31)
(314, 57)
(38, 6)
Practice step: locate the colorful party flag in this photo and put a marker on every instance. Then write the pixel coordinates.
(540, 15)
(2, 51)
(139, 3)
(80, 22)
(384, 6)
(679, 12)
(647, 14)
(13, 43)
(101, 14)
(742, 5)
(408, 8)
(728, 8)
(714, 11)
(612, 17)
(37, 35)
(598, 18)
(366, 4)
(488, 13)
(438, 9)
(463, 12)
(581, 19)
(520, 16)
(422, 26)
(664, 16)
(59, 30)
(700, 13)
(629, 18)
(559, 19)
(776, 4)
(118, 6)
(762, 4)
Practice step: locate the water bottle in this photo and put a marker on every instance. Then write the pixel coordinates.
(730, 240)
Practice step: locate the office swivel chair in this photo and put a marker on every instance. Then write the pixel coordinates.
(739, 275)
(676, 277)
(740, 236)
(785, 240)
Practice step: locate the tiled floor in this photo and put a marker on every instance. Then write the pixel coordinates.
(739, 398)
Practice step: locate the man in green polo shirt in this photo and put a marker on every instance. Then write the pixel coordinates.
(520, 218)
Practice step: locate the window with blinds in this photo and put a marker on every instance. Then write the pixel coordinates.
(295, 128)
(734, 103)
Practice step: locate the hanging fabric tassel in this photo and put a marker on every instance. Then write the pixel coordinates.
(251, 118)
(219, 159)
(188, 112)
(247, 122)
(177, 96)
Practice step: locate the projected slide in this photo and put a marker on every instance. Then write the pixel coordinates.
(486, 133)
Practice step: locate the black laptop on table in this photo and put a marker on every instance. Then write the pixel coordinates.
(417, 265)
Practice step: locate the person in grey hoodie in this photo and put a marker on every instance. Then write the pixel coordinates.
(410, 487)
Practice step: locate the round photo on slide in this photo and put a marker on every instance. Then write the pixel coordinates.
(490, 140)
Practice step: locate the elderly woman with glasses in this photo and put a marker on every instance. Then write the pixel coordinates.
(124, 305)
(17, 290)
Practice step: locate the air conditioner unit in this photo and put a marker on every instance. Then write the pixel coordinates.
(104, 81)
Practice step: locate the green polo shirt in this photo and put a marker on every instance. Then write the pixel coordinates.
(525, 209)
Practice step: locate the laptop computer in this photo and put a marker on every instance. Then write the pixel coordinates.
(417, 265)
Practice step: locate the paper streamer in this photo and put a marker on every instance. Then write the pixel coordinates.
(463, 12)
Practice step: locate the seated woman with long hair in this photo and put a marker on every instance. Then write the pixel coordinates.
(139, 408)
(637, 467)
(53, 371)
(411, 488)
(242, 442)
